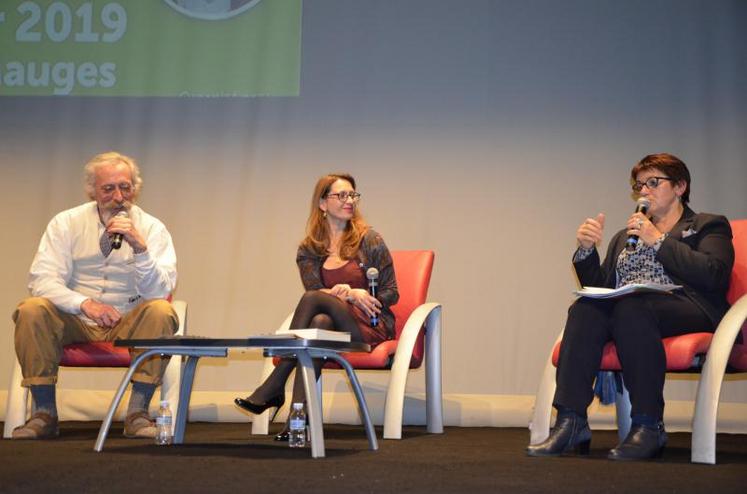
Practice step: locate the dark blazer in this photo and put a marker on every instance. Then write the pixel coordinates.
(698, 254)
(372, 252)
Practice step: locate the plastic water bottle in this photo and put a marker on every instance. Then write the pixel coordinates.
(297, 427)
(164, 435)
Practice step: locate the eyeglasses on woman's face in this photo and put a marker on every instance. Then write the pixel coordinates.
(345, 195)
(651, 183)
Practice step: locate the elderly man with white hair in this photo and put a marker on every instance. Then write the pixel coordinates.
(103, 271)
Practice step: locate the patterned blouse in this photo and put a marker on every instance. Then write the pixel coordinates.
(638, 266)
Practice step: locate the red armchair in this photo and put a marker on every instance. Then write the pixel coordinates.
(418, 339)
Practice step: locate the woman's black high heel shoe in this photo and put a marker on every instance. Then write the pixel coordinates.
(571, 432)
(247, 405)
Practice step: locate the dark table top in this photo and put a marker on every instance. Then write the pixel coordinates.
(262, 341)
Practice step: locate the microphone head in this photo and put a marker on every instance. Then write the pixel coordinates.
(642, 204)
(122, 213)
(372, 273)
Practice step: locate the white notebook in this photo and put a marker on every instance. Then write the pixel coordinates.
(317, 334)
(596, 292)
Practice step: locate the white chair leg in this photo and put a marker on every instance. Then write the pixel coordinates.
(17, 406)
(170, 385)
(172, 376)
(539, 427)
(395, 394)
(703, 449)
(434, 408)
(622, 410)
(395, 397)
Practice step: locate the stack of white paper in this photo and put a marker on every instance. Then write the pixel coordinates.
(596, 292)
(317, 334)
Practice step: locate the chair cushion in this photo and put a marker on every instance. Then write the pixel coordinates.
(381, 357)
(95, 354)
(681, 352)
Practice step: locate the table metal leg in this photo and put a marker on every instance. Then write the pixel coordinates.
(106, 424)
(313, 406)
(362, 406)
(185, 393)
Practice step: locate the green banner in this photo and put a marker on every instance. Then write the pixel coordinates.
(198, 48)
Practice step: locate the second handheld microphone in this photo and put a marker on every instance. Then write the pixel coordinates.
(373, 274)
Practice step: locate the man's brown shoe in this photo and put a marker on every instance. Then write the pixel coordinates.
(41, 425)
(139, 425)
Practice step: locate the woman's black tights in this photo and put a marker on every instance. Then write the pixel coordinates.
(316, 309)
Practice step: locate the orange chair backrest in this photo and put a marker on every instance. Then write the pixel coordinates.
(738, 282)
(412, 268)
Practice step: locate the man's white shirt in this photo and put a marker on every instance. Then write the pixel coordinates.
(69, 266)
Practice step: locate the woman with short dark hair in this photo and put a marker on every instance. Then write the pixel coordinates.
(675, 246)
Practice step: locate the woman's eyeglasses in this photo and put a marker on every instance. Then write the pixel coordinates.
(651, 183)
(345, 195)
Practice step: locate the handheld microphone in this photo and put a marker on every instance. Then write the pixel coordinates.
(116, 240)
(641, 206)
(373, 274)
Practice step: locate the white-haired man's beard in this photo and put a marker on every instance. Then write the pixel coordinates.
(109, 209)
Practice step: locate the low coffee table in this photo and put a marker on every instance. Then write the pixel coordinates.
(274, 346)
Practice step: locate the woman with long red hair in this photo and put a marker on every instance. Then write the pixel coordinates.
(332, 259)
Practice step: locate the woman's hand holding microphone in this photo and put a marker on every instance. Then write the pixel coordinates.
(362, 299)
(640, 226)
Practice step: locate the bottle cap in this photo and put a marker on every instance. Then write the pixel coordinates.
(165, 403)
(298, 406)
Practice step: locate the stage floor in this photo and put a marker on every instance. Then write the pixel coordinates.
(224, 457)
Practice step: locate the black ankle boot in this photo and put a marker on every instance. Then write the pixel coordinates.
(571, 432)
(643, 442)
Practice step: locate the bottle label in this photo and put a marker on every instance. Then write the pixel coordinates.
(163, 420)
(297, 424)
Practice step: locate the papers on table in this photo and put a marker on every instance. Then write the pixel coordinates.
(316, 334)
(596, 292)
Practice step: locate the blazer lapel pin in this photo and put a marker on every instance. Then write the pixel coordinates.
(688, 232)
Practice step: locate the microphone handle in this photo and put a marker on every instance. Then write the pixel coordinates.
(372, 291)
(116, 241)
(632, 241)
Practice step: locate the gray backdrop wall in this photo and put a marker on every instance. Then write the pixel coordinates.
(484, 130)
